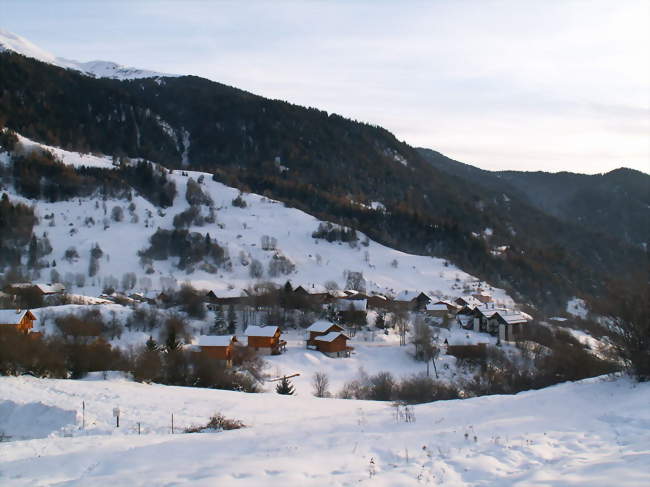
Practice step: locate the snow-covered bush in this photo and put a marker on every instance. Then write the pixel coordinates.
(256, 270)
(239, 201)
(195, 195)
(334, 233)
(280, 265)
(354, 280)
(117, 214)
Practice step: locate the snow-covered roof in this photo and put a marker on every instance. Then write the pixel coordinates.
(330, 337)
(44, 288)
(489, 311)
(261, 331)
(514, 318)
(379, 296)
(320, 326)
(471, 301)
(214, 340)
(12, 316)
(436, 307)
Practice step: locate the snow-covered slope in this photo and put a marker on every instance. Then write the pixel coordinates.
(592, 433)
(99, 69)
(80, 223)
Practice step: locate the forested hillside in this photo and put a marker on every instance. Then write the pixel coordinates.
(322, 163)
(616, 203)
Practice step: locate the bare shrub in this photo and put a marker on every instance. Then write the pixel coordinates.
(218, 422)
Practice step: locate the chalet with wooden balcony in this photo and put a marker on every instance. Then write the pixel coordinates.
(265, 339)
(320, 328)
(19, 320)
(218, 347)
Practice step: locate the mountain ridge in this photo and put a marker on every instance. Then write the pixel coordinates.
(618, 199)
(96, 68)
(321, 163)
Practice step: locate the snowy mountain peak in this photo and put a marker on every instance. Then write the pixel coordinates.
(12, 42)
(97, 69)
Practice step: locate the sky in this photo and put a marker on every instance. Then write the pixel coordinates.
(511, 84)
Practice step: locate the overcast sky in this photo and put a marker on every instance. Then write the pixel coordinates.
(527, 85)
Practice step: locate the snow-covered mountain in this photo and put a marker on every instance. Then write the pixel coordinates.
(82, 223)
(97, 69)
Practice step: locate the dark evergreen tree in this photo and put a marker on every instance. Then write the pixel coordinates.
(172, 344)
(220, 327)
(151, 344)
(285, 387)
(32, 256)
(232, 320)
(380, 321)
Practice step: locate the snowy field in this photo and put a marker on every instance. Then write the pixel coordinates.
(593, 433)
(373, 352)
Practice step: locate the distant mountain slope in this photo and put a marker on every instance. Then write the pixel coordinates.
(617, 203)
(334, 168)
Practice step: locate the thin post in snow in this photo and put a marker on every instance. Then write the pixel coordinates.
(172, 423)
(138, 428)
(83, 415)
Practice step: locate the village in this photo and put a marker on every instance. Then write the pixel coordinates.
(339, 318)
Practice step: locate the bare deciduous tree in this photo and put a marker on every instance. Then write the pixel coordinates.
(320, 383)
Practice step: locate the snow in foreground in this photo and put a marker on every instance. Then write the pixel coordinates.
(596, 432)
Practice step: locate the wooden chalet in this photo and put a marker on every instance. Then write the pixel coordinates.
(483, 318)
(420, 302)
(42, 289)
(505, 323)
(510, 325)
(320, 328)
(218, 347)
(378, 301)
(212, 298)
(301, 291)
(265, 339)
(452, 308)
(468, 301)
(333, 344)
(20, 320)
(436, 310)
